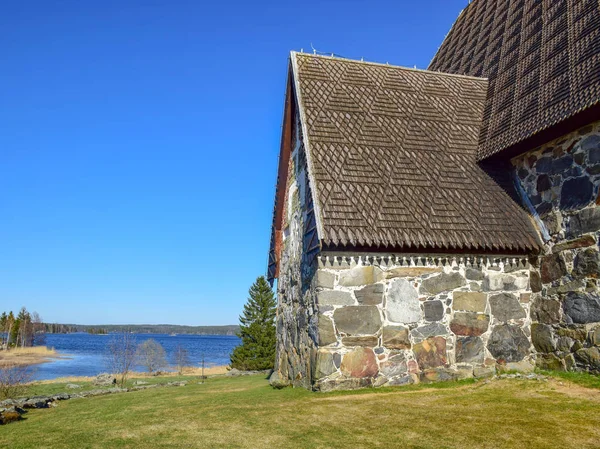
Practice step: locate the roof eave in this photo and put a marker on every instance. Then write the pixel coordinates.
(580, 119)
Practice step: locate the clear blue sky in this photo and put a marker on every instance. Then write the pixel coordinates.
(139, 142)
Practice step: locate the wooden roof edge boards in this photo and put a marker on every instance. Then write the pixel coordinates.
(310, 165)
(284, 156)
(285, 150)
(282, 167)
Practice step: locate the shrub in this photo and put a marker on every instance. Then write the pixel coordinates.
(152, 355)
(14, 380)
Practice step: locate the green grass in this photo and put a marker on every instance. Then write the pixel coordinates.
(245, 412)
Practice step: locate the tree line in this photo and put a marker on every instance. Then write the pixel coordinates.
(159, 329)
(23, 330)
(97, 331)
(56, 328)
(28, 325)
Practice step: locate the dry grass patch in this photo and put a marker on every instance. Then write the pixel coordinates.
(208, 371)
(66, 379)
(27, 356)
(244, 412)
(187, 372)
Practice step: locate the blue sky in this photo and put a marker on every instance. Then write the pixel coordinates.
(139, 142)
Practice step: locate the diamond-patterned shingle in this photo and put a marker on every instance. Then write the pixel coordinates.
(542, 59)
(392, 158)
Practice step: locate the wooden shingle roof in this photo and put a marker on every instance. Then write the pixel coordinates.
(392, 160)
(542, 59)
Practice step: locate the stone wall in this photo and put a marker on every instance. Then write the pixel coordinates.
(400, 320)
(296, 290)
(561, 181)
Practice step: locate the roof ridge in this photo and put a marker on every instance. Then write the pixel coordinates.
(294, 53)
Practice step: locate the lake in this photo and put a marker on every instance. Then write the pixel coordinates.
(84, 353)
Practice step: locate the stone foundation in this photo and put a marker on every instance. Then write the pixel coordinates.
(561, 181)
(401, 320)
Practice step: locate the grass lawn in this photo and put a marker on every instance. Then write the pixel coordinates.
(245, 412)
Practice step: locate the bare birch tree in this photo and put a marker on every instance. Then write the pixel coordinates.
(182, 359)
(120, 355)
(38, 330)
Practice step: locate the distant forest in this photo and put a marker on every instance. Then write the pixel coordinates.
(144, 329)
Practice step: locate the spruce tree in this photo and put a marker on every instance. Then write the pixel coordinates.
(13, 337)
(257, 330)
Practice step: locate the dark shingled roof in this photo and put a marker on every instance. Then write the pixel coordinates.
(392, 160)
(542, 59)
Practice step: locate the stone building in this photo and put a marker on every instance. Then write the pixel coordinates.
(443, 223)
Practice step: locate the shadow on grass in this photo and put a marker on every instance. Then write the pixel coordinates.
(440, 385)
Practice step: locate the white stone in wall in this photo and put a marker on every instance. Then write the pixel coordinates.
(361, 275)
(325, 279)
(510, 282)
(403, 305)
(291, 191)
(335, 298)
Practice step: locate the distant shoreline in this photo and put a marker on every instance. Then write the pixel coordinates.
(226, 330)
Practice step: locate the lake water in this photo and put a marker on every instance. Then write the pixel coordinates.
(85, 353)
